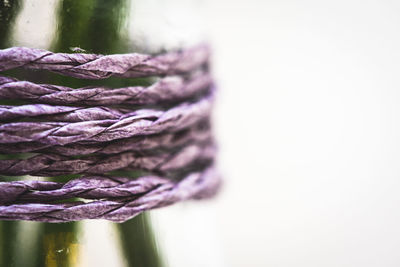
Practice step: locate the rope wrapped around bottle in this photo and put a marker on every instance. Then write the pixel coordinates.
(157, 136)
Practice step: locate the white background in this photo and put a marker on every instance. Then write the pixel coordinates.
(308, 123)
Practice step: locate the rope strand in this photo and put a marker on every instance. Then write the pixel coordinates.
(126, 199)
(92, 66)
(144, 122)
(54, 165)
(198, 133)
(166, 90)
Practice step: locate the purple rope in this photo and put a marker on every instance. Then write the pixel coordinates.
(92, 66)
(168, 89)
(53, 165)
(142, 122)
(198, 133)
(61, 113)
(76, 131)
(124, 199)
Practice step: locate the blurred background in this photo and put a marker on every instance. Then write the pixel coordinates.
(308, 125)
(307, 121)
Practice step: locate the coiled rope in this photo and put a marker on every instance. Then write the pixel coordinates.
(95, 131)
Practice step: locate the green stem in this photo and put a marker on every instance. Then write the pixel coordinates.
(138, 242)
(8, 245)
(8, 11)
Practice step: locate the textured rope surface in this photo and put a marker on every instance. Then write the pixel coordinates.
(92, 66)
(168, 89)
(143, 122)
(124, 197)
(53, 165)
(61, 113)
(198, 133)
(96, 131)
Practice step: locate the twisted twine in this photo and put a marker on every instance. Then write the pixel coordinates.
(141, 122)
(124, 198)
(53, 165)
(168, 89)
(61, 113)
(92, 66)
(198, 133)
(67, 125)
